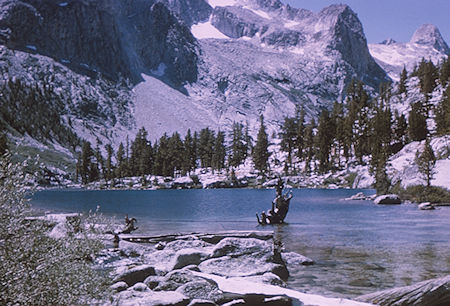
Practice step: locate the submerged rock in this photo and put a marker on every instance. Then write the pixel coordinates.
(432, 292)
(426, 206)
(388, 199)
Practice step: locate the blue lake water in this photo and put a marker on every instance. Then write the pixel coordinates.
(358, 247)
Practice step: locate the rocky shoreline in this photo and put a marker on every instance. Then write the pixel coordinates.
(230, 268)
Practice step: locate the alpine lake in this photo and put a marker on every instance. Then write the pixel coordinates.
(358, 247)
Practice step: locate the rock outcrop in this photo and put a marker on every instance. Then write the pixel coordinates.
(235, 268)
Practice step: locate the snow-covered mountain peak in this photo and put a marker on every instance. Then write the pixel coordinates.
(428, 34)
(427, 42)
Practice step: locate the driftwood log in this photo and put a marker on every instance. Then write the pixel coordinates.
(434, 292)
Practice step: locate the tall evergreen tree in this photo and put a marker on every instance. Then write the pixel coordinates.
(238, 146)
(120, 158)
(175, 154)
(402, 82)
(442, 113)
(426, 162)
(444, 72)
(218, 158)
(288, 137)
(338, 120)
(400, 132)
(260, 152)
(325, 140)
(309, 145)
(206, 147)
(108, 163)
(190, 157)
(417, 123)
(300, 133)
(87, 167)
(3, 143)
(380, 139)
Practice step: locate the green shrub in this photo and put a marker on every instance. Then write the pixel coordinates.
(34, 268)
(421, 194)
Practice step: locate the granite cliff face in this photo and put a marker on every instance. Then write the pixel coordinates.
(115, 38)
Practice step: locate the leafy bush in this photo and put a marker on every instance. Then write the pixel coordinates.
(421, 194)
(34, 268)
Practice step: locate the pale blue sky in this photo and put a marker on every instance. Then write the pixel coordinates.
(397, 19)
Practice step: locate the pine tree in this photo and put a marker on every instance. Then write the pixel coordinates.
(325, 140)
(300, 133)
(218, 158)
(109, 173)
(380, 139)
(289, 137)
(338, 119)
(402, 82)
(238, 146)
(428, 74)
(175, 154)
(444, 72)
(442, 113)
(309, 145)
(100, 164)
(206, 147)
(87, 168)
(120, 157)
(189, 156)
(417, 123)
(426, 162)
(3, 143)
(248, 140)
(260, 152)
(400, 132)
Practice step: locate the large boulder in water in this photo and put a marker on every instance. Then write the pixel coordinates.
(241, 246)
(136, 275)
(388, 199)
(433, 292)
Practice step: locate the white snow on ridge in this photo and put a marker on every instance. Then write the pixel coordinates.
(206, 30)
(215, 3)
(291, 23)
(258, 12)
(393, 57)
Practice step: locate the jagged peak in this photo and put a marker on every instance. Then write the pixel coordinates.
(389, 41)
(428, 34)
(336, 9)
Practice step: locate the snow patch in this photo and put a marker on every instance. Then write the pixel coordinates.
(31, 47)
(160, 71)
(258, 12)
(215, 3)
(291, 24)
(206, 30)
